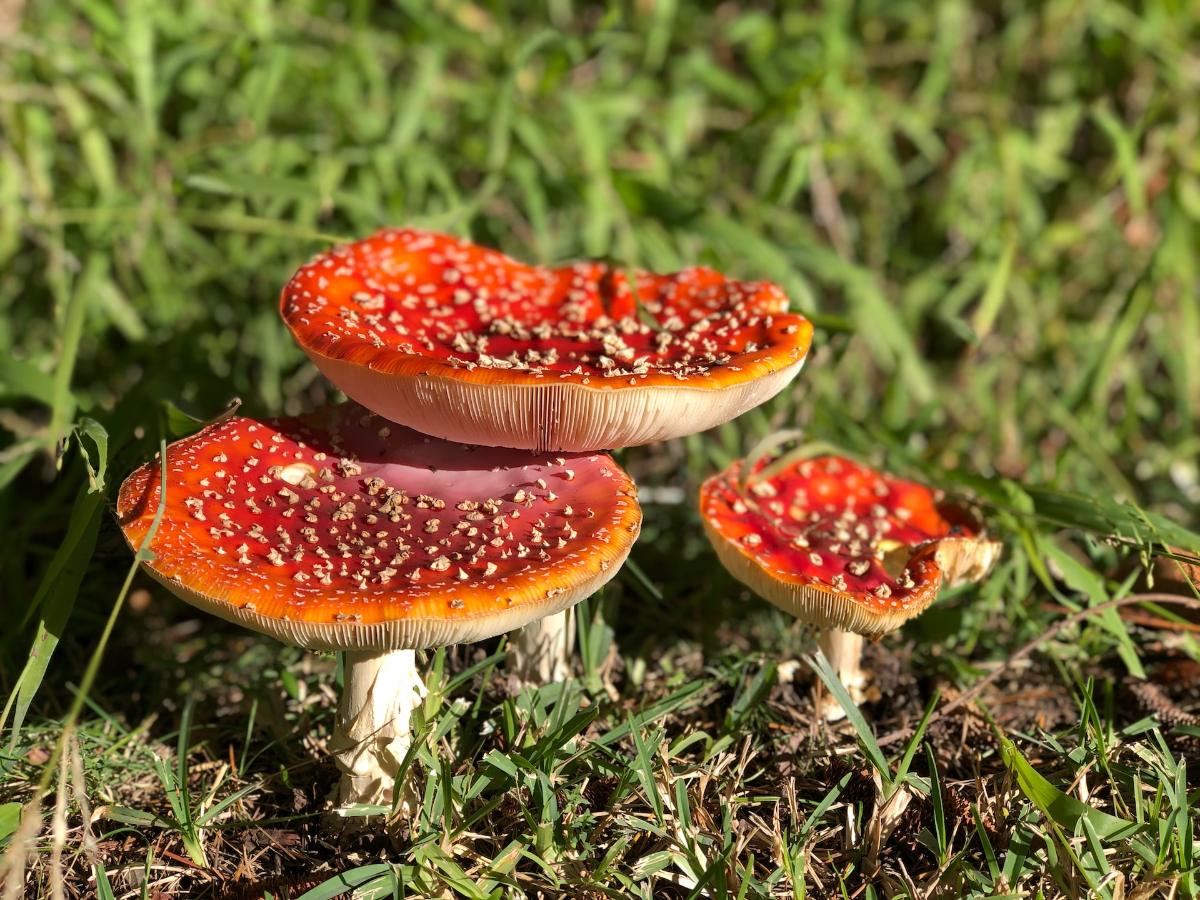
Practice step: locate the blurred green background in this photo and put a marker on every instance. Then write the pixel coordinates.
(991, 210)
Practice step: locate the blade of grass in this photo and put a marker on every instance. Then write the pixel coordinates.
(866, 737)
(56, 600)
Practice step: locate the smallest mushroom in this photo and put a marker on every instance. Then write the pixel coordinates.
(847, 549)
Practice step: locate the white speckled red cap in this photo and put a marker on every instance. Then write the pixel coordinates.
(818, 536)
(462, 342)
(341, 530)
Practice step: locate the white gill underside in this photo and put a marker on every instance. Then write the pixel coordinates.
(567, 417)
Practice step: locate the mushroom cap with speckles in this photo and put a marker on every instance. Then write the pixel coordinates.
(341, 530)
(838, 544)
(462, 342)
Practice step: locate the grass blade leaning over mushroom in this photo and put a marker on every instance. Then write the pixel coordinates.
(852, 551)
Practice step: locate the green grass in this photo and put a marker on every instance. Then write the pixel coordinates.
(992, 213)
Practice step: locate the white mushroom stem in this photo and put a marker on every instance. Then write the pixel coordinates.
(374, 727)
(540, 653)
(843, 649)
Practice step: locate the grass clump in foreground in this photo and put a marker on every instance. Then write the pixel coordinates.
(991, 214)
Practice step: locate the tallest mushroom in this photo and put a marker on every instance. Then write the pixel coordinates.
(464, 343)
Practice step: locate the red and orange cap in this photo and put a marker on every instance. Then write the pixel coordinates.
(839, 544)
(462, 342)
(340, 530)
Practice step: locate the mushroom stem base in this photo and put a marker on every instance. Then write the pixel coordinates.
(374, 728)
(540, 652)
(843, 649)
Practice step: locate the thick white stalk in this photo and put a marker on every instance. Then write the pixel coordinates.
(540, 653)
(374, 727)
(843, 649)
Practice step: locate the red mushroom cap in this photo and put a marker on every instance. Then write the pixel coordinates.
(464, 343)
(340, 530)
(839, 544)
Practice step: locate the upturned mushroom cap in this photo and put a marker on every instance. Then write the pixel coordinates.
(464, 343)
(838, 544)
(341, 530)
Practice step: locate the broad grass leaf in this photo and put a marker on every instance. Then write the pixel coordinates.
(1057, 806)
(674, 703)
(139, 818)
(120, 311)
(997, 289)
(104, 889)
(74, 316)
(1106, 516)
(96, 433)
(362, 878)
(56, 599)
(10, 818)
(21, 379)
(1079, 578)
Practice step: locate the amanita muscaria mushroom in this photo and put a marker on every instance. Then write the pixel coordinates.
(851, 550)
(342, 531)
(462, 342)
